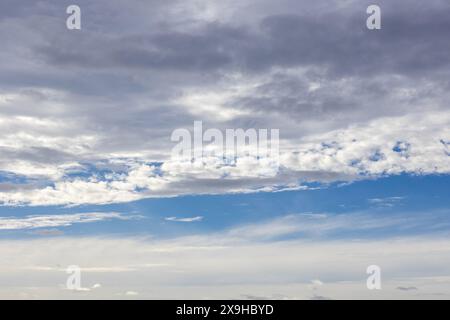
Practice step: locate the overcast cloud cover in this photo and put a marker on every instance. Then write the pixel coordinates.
(86, 118)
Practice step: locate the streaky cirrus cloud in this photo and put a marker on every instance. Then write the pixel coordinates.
(86, 116)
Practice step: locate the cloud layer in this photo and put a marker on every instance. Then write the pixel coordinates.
(54, 221)
(86, 116)
(216, 268)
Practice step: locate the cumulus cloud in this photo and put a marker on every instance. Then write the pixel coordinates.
(228, 271)
(316, 282)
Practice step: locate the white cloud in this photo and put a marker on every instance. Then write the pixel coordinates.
(314, 225)
(361, 150)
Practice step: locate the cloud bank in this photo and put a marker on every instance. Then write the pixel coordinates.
(86, 116)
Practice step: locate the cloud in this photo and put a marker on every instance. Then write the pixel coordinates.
(386, 202)
(86, 117)
(316, 297)
(282, 268)
(81, 289)
(336, 38)
(316, 282)
(192, 219)
(48, 232)
(99, 269)
(54, 221)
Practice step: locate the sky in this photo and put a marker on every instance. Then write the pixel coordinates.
(88, 176)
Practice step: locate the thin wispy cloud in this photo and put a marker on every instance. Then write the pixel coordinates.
(386, 202)
(54, 221)
(87, 119)
(190, 219)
